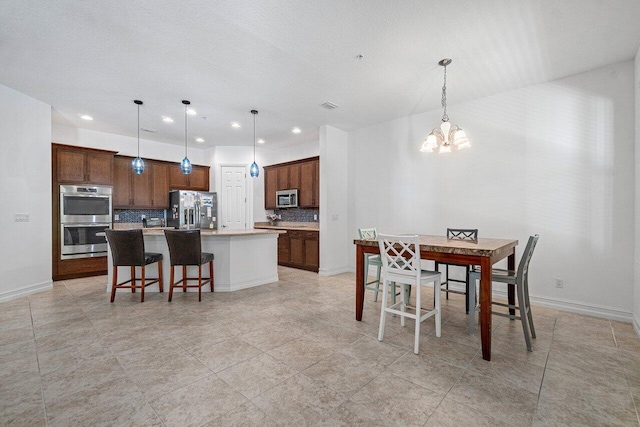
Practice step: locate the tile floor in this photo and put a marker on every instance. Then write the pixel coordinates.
(291, 353)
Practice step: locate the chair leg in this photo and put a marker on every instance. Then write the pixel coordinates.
(160, 279)
(184, 277)
(114, 283)
(466, 288)
(133, 280)
(416, 344)
(529, 315)
(523, 315)
(171, 282)
(378, 272)
(142, 283)
(200, 283)
(403, 306)
(439, 312)
(471, 298)
(383, 313)
(211, 274)
(446, 286)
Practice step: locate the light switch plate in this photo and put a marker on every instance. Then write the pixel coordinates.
(22, 217)
(116, 217)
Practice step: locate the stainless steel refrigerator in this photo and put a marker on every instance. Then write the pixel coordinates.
(192, 209)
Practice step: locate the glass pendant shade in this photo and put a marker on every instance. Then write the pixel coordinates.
(138, 165)
(185, 166)
(254, 170)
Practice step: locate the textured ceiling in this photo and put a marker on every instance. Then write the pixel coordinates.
(286, 57)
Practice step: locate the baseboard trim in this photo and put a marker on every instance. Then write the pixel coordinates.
(334, 271)
(636, 325)
(251, 284)
(27, 290)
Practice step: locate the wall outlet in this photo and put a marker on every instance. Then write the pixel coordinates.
(143, 216)
(22, 217)
(116, 217)
(315, 217)
(559, 283)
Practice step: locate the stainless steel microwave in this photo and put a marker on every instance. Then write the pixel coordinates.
(287, 199)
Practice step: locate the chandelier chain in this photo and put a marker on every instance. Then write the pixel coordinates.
(445, 117)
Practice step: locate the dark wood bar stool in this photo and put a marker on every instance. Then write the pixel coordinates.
(185, 248)
(127, 250)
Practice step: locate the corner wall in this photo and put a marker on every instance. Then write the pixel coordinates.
(554, 159)
(636, 264)
(25, 185)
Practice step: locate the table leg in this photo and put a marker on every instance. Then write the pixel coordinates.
(485, 306)
(511, 289)
(360, 278)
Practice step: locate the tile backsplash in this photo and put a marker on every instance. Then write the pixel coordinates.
(297, 215)
(135, 215)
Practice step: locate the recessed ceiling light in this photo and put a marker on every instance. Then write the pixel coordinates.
(191, 111)
(260, 141)
(86, 117)
(167, 119)
(235, 124)
(296, 130)
(199, 140)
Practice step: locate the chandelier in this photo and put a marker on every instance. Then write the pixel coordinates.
(445, 136)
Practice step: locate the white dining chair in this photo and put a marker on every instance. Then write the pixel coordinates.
(400, 257)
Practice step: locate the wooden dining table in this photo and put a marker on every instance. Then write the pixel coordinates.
(483, 252)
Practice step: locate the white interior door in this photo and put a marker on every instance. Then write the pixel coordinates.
(233, 201)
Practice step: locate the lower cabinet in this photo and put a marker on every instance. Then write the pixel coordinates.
(299, 249)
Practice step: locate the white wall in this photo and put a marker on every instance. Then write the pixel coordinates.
(636, 264)
(25, 186)
(125, 145)
(334, 209)
(553, 159)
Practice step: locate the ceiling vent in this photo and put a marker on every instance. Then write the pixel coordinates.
(329, 105)
(149, 130)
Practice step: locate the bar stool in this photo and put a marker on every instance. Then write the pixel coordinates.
(127, 249)
(185, 248)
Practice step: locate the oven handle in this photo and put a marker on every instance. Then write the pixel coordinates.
(101, 234)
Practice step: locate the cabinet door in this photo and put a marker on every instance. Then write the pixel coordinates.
(141, 187)
(177, 180)
(297, 248)
(159, 185)
(122, 196)
(70, 165)
(284, 249)
(307, 184)
(99, 167)
(294, 177)
(270, 185)
(199, 178)
(283, 178)
(316, 184)
(312, 251)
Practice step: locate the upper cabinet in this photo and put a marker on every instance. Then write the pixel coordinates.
(303, 175)
(75, 165)
(197, 180)
(150, 190)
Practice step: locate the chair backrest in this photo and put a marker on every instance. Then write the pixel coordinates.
(400, 257)
(368, 233)
(127, 246)
(470, 234)
(185, 247)
(523, 267)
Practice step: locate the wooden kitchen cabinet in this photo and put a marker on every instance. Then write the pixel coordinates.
(75, 165)
(270, 185)
(160, 185)
(299, 249)
(308, 196)
(122, 188)
(303, 175)
(197, 180)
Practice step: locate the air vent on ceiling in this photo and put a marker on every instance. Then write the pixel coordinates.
(149, 130)
(329, 105)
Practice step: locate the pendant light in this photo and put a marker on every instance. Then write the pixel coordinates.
(446, 135)
(254, 170)
(138, 163)
(185, 166)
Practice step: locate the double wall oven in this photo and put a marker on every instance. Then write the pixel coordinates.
(85, 212)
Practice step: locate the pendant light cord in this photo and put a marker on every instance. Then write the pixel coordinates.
(254, 138)
(138, 130)
(185, 130)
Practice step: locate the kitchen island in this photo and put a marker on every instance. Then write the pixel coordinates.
(243, 259)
